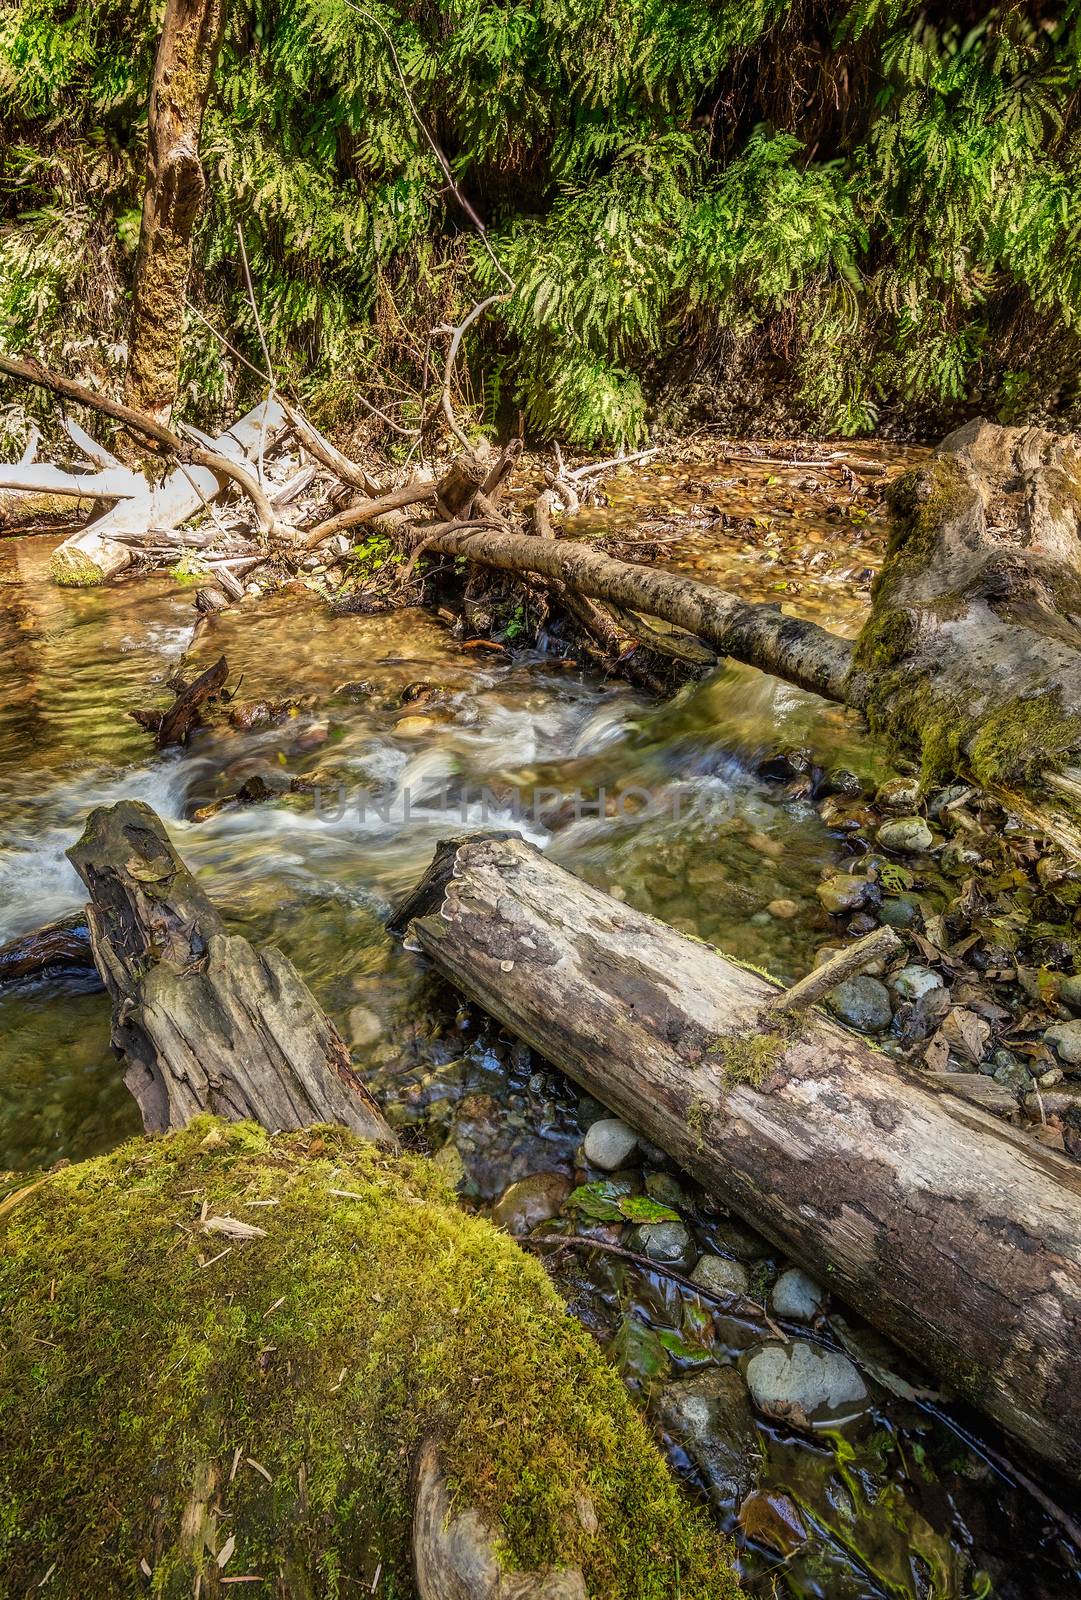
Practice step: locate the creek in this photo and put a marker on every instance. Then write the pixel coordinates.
(411, 734)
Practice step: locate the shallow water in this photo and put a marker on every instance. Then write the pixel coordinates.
(412, 736)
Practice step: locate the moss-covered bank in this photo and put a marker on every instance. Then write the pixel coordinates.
(167, 1387)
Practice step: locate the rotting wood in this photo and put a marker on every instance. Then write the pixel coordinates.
(62, 946)
(878, 945)
(206, 1021)
(955, 1234)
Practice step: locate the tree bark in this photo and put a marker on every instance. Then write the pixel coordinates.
(206, 1022)
(183, 72)
(972, 652)
(954, 1234)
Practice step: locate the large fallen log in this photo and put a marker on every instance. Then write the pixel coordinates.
(207, 1023)
(954, 1234)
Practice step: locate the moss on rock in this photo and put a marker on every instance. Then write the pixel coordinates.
(171, 1384)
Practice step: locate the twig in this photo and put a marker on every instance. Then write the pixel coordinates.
(591, 470)
(254, 307)
(874, 946)
(448, 371)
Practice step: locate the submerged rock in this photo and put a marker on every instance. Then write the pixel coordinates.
(805, 1386)
(844, 892)
(797, 1296)
(530, 1201)
(864, 1003)
(710, 1417)
(609, 1144)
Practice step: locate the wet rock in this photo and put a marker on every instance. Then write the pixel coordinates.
(864, 1003)
(783, 910)
(710, 1417)
(1009, 1072)
(844, 892)
(530, 1201)
(355, 689)
(1069, 992)
(783, 765)
(721, 1276)
(731, 1237)
(666, 1190)
(208, 600)
(958, 857)
(668, 1243)
(913, 982)
(898, 794)
(900, 911)
(841, 781)
(805, 1386)
(797, 1297)
(609, 1144)
(905, 836)
(413, 727)
(365, 1027)
(1065, 1040)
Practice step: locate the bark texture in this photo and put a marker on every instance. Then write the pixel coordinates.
(955, 1235)
(206, 1022)
(972, 653)
(183, 72)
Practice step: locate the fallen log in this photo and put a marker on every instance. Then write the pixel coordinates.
(206, 1022)
(956, 1235)
(62, 946)
(175, 725)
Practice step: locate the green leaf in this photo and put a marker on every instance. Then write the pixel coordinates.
(598, 1200)
(640, 1208)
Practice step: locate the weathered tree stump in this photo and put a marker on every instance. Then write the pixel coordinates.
(956, 1235)
(206, 1022)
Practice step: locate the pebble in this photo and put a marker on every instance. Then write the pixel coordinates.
(864, 1003)
(609, 1144)
(530, 1201)
(843, 892)
(912, 983)
(1065, 1040)
(900, 911)
(666, 1190)
(721, 1275)
(797, 1296)
(364, 1027)
(783, 910)
(412, 727)
(804, 1385)
(668, 1243)
(905, 835)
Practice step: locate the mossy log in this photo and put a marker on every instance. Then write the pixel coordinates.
(206, 1022)
(953, 1233)
(972, 652)
(294, 1364)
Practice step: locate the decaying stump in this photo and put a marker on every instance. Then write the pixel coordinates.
(207, 1022)
(954, 1234)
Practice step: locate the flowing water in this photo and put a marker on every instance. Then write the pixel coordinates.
(378, 735)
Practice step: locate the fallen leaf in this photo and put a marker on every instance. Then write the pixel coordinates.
(233, 1228)
(773, 1520)
(966, 1033)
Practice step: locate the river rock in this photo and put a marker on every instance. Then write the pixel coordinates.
(905, 835)
(898, 794)
(721, 1276)
(365, 1027)
(1065, 1040)
(1069, 992)
(668, 1243)
(864, 1003)
(530, 1201)
(609, 1144)
(900, 911)
(843, 892)
(710, 1417)
(797, 1296)
(412, 727)
(783, 910)
(1010, 1073)
(665, 1189)
(805, 1386)
(912, 983)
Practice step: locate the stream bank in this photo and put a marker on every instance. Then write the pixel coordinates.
(393, 706)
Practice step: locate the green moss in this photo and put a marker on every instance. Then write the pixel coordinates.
(73, 570)
(922, 502)
(885, 639)
(147, 1362)
(749, 1058)
(1022, 738)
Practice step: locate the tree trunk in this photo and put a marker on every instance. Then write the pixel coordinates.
(954, 1234)
(207, 1022)
(972, 653)
(183, 73)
